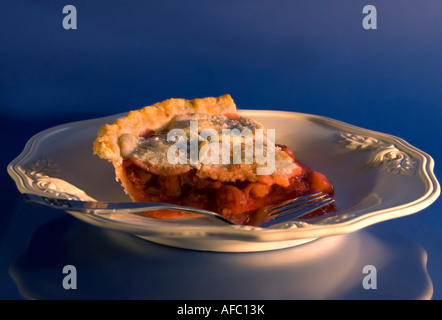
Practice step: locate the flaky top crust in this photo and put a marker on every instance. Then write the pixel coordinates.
(154, 117)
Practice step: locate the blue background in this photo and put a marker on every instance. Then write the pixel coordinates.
(304, 56)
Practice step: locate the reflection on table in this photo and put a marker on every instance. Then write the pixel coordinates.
(114, 265)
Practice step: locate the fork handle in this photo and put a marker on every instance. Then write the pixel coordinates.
(126, 208)
(105, 207)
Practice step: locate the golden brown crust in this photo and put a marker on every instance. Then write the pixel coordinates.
(154, 117)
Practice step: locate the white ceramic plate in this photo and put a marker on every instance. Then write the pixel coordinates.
(377, 177)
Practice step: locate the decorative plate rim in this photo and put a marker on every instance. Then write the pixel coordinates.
(285, 232)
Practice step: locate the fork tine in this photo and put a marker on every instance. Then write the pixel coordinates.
(297, 213)
(304, 209)
(294, 203)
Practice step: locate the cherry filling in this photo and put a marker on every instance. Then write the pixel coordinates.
(237, 201)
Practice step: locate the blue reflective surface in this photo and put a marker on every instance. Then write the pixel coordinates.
(313, 57)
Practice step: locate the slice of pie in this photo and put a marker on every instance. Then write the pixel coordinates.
(201, 153)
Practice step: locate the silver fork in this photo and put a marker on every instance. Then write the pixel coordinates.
(287, 210)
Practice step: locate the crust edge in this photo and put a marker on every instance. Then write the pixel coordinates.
(154, 117)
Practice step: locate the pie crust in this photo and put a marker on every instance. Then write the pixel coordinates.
(154, 117)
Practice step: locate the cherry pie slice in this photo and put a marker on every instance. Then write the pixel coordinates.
(201, 153)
